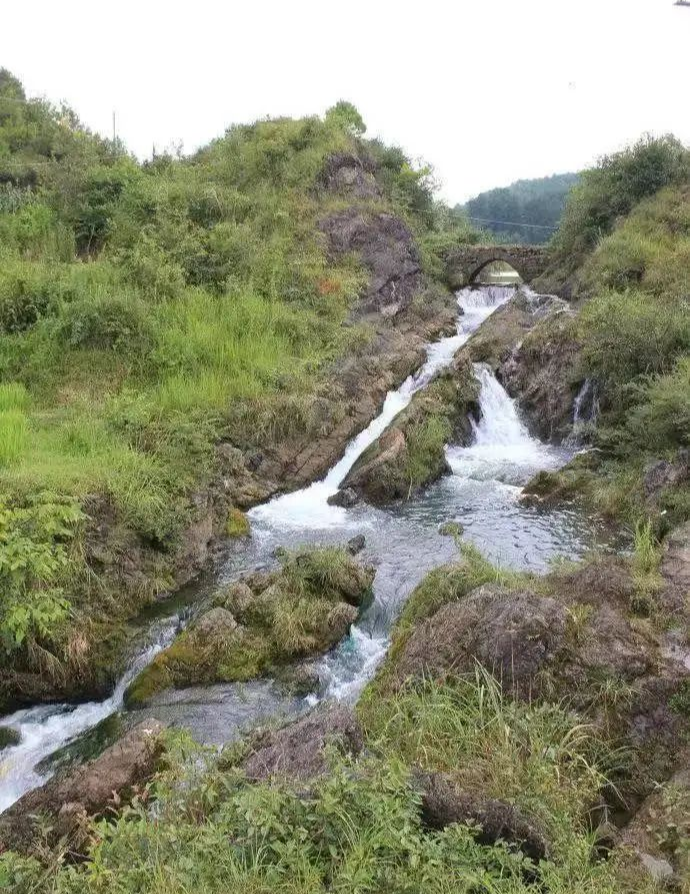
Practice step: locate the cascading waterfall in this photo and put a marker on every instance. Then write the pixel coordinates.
(403, 541)
(309, 507)
(45, 728)
(502, 448)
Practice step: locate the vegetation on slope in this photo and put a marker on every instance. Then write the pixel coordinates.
(147, 313)
(526, 211)
(625, 244)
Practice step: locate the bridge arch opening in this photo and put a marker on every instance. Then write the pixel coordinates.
(495, 272)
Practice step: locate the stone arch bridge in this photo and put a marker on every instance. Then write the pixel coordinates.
(465, 263)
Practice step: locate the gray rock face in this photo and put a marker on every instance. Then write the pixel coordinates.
(675, 570)
(351, 175)
(661, 474)
(346, 498)
(297, 751)
(512, 634)
(387, 249)
(87, 791)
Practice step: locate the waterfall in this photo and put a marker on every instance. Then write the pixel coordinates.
(502, 448)
(585, 412)
(309, 507)
(45, 728)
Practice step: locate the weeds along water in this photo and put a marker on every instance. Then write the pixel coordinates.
(403, 542)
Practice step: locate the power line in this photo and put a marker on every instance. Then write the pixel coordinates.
(511, 223)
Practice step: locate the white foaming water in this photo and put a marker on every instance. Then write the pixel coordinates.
(309, 507)
(45, 728)
(502, 448)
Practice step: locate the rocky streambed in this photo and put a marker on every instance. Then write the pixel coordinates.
(191, 683)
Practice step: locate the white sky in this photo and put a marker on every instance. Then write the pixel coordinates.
(486, 90)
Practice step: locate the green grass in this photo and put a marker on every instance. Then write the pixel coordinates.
(358, 828)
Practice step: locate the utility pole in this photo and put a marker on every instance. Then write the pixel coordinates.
(114, 132)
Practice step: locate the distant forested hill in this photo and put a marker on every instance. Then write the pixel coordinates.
(517, 213)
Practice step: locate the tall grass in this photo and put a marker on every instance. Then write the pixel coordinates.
(13, 436)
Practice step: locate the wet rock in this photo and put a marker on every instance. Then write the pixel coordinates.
(443, 803)
(387, 249)
(263, 622)
(91, 790)
(347, 497)
(356, 544)
(411, 454)
(299, 681)
(297, 751)
(8, 737)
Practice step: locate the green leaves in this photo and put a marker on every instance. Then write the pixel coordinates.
(34, 541)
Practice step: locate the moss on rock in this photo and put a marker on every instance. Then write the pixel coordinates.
(411, 454)
(237, 524)
(262, 622)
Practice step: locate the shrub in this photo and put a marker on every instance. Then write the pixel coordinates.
(629, 335)
(33, 558)
(105, 322)
(612, 189)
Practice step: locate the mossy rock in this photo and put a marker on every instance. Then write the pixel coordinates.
(8, 737)
(411, 454)
(237, 524)
(263, 622)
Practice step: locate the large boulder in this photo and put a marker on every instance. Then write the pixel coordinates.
(297, 751)
(411, 454)
(558, 646)
(65, 802)
(262, 622)
(443, 803)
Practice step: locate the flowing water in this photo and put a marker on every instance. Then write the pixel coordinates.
(403, 542)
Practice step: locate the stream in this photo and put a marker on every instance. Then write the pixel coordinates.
(402, 541)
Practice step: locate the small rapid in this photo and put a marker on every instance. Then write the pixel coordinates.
(309, 506)
(44, 729)
(402, 541)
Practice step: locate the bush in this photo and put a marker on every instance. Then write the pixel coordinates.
(612, 189)
(629, 335)
(661, 419)
(106, 322)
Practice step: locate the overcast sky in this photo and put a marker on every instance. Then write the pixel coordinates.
(487, 91)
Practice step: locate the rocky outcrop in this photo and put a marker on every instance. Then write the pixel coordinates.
(387, 249)
(8, 737)
(63, 805)
(656, 842)
(262, 622)
(351, 175)
(443, 803)
(297, 751)
(675, 571)
(411, 453)
(568, 637)
(542, 372)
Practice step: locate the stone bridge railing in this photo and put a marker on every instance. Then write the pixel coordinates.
(465, 263)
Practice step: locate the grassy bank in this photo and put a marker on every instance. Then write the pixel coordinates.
(149, 312)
